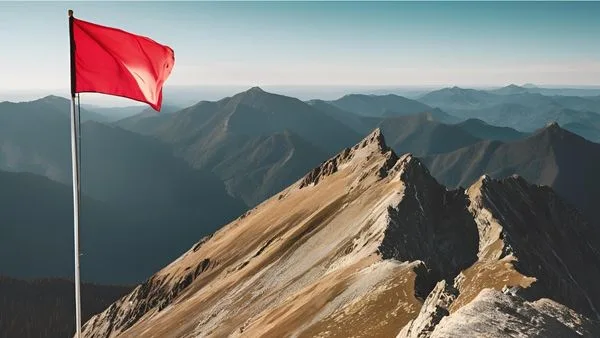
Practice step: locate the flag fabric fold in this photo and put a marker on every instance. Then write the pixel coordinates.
(115, 62)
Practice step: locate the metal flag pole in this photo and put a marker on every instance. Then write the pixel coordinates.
(75, 170)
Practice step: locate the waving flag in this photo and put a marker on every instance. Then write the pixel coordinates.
(111, 61)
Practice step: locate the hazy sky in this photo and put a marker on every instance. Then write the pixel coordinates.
(334, 43)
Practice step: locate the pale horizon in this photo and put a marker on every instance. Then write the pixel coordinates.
(196, 93)
(349, 44)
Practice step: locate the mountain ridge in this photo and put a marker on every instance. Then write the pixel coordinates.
(546, 157)
(357, 245)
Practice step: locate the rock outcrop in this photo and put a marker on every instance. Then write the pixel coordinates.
(435, 307)
(494, 314)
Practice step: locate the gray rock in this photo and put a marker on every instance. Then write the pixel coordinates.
(496, 314)
(434, 309)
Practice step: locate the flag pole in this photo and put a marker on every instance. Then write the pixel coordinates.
(75, 171)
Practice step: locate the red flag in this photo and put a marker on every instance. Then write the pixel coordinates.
(111, 61)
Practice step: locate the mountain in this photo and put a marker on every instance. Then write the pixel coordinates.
(140, 184)
(552, 156)
(457, 99)
(421, 134)
(368, 244)
(35, 138)
(533, 89)
(114, 113)
(108, 155)
(485, 131)
(255, 113)
(515, 107)
(583, 104)
(359, 123)
(51, 104)
(266, 164)
(37, 230)
(131, 120)
(146, 123)
(524, 118)
(510, 90)
(587, 92)
(380, 105)
(45, 308)
(588, 131)
(257, 142)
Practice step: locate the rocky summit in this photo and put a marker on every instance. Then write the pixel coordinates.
(369, 244)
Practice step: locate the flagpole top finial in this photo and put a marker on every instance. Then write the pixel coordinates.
(70, 12)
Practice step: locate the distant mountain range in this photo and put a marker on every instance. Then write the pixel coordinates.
(380, 105)
(49, 105)
(517, 107)
(533, 89)
(110, 114)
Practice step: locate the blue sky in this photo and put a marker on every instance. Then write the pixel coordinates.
(315, 43)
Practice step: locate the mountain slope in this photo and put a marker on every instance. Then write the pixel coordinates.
(525, 118)
(266, 164)
(458, 99)
(515, 107)
(138, 119)
(37, 227)
(511, 90)
(484, 131)
(258, 113)
(587, 131)
(380, 105)
(552, 156)
(142, 186)
(357, 247)
(37, 231)
(114, 113)
(45, 308)
(51, 105)
(358, 123)
(422, 135)
(235, 138)
(35, 137)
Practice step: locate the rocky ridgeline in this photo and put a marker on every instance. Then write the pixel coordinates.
(503, 256)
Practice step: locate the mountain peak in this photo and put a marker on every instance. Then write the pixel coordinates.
(255, 89)
(552, 128)
(52, 99)
(369, 155)
(376, 138)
